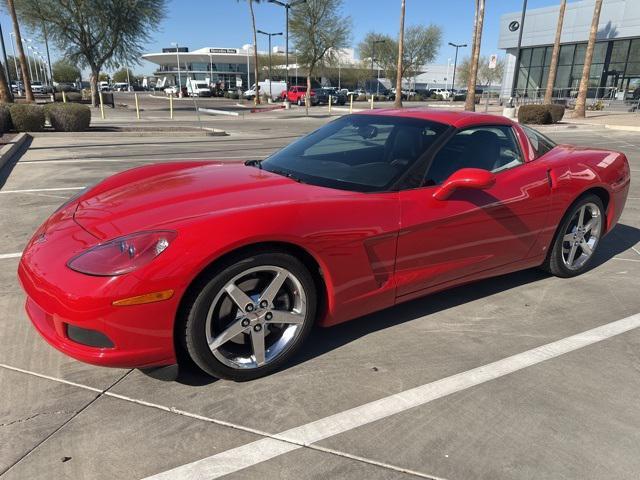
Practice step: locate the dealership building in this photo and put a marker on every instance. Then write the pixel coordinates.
(233, 68)
(615, 70)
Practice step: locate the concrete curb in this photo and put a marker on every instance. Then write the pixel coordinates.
(152, 132)
(7, 152)
(213, 111)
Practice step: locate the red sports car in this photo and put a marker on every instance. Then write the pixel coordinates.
(230, 265)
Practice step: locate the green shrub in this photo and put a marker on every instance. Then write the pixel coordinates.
(418, 97)
(68, 117)
(361, 98)
(438, 97)
(557, 112)
(535, 114)
(70, 96)
(235, 96)
(27, 117)
(5, 118)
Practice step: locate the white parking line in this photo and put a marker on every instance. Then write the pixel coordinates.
(35, 190)
(10, 255)
(245, 456)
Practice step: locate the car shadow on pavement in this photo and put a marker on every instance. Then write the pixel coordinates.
(324, 340)
(7, 168)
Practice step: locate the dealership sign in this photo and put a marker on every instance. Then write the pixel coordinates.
(223, 50)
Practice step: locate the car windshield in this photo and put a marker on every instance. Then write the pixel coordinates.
(357, 152)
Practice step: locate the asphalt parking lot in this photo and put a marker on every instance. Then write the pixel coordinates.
(394, 395)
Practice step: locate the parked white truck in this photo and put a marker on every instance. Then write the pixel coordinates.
(276, 89)
(198, 88)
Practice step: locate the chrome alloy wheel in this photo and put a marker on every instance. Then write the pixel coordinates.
(581, 236)
(255, 316)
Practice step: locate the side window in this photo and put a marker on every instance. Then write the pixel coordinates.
(492, 148)
(539, 142)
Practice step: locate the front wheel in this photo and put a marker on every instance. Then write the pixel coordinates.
(577, 238)
(248, 319)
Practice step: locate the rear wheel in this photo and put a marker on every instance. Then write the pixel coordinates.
(250, 318)
(577, 238)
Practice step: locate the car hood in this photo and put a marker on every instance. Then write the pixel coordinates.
(158, 195)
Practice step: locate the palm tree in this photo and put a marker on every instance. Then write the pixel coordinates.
(470, 102)
(581, 101)
(26, 79)
(398, 101)
(553, 68)
(255, 47)
(5, 92)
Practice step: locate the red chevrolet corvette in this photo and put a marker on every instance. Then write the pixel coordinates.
(230, 265)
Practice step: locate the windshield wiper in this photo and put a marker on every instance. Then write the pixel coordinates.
(287, 174)
(254, 163)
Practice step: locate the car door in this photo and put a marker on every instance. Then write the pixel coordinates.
(472, 231)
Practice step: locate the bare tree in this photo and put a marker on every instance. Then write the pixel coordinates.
(398, 101)
(420, 46)
(255, 48)
(581, 101)
(553, 68)
(26, 79)
(319, 31)
(470, 102)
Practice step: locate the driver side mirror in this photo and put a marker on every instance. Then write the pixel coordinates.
(475, 178)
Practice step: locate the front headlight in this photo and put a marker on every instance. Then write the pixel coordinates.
(123, 254)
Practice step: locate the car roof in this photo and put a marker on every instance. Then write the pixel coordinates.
(456, 118)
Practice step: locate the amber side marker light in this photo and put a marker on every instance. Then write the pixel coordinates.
(146, 298)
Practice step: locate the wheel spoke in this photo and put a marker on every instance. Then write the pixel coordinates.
(572, 254)
(274, 287)
(257, 341)
(291, 318)
(593, 223)
(569, 237)
(240, 298)
(231, 331)
(586, 248)
(581, 216)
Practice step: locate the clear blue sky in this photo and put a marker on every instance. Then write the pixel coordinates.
(226, 23)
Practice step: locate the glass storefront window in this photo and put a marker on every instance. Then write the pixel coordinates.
(562, 76)
(619, 51)
(581, 50)
(634, 53)
(599, 52)
(537, 57)
(535, 74)
(525, 57)
(547, 57)
(633, 69)
(566, 54)
(522, 78)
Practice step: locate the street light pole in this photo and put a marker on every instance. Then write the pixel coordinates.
(46, 46)
(15, 64)
(270, 79)
(455, 64)
(287, 7)
(373, 58)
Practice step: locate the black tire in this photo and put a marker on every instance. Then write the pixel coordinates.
(299, 101)
(196, 307)
(554, 263)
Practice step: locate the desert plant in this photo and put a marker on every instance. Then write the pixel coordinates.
(5, 118)
(536, 114)
(68, 117)
(557, 112)
(27, 117)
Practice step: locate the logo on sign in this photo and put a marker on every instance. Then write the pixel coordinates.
(514, 26)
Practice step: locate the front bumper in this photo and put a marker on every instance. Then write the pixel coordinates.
(59, 299)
